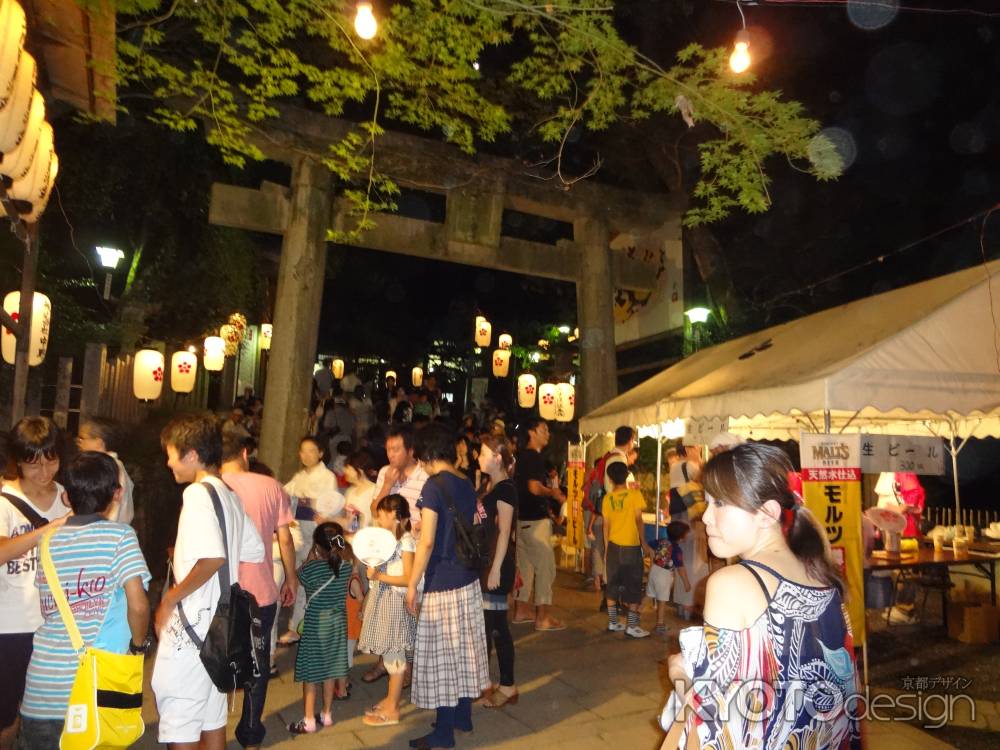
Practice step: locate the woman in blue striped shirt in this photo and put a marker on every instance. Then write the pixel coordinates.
(103, 574)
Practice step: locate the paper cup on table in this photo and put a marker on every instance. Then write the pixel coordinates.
(373, 545)
(970, 532)
(961, 547)
(938, 540)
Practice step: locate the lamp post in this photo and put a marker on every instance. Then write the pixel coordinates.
(698, 317)
(109, 259)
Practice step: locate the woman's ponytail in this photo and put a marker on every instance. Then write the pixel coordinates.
(809, 543)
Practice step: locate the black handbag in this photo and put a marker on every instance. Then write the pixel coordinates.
(472, 545)
(233, 649)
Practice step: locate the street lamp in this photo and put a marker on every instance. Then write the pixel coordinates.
(698, 314)
(109, 259)
(698, 317)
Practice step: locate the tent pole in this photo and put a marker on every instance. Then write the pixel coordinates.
(954, 475)
(826, 421)
(659, 465)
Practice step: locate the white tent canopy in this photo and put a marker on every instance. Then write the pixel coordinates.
(920, 360)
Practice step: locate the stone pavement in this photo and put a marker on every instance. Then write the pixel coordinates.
(581, 689)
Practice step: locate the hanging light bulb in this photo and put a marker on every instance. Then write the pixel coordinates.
(739, 61)
(364, 22)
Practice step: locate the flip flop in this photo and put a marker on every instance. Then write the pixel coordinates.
(551, 628)
(522, 620)
(379, 720)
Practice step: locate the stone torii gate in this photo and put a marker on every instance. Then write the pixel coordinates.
(477, 191)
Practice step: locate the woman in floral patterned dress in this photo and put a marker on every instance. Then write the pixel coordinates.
(775, 668)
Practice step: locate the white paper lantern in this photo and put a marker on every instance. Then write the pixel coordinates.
(527, 390)
(147, 374)
(505, 341)
(480, 319)
(33, 187)
(215, 353)
(183, 371)
(501, 363)
(391, 374)
(266, 331)
(565, 403)
(338, 368)
(548, 400)
(42, 193)
(484, 333)
(17, 104)
(13, 31)
(417, 377)
(41, 320)
(17, 161)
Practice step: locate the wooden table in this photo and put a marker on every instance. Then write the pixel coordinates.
(927, 557)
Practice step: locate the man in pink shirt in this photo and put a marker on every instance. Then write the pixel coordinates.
(269, 508)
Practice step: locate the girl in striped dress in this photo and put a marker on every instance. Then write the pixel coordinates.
(389, 629)
(322, 654)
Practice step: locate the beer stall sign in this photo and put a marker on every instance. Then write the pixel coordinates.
(831, 489)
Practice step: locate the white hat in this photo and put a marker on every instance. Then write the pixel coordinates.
(725, 441)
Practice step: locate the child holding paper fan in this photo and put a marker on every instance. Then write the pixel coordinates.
(322, 654)
(389, 629)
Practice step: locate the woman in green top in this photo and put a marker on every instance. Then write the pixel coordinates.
(322, 654)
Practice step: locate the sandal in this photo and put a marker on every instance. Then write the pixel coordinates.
(374, 674)
(551, 627)
(379, 720)
(289, 639)
(499, 699)
(299, 727)
(321, 723)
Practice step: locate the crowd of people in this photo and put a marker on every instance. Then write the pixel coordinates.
(436, 609)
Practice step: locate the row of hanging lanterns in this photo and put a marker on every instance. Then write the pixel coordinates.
(556, 401)
(27, 147)
(148, 367)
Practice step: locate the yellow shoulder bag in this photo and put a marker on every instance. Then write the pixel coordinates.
(105, 704)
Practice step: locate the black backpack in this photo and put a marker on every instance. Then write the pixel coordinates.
(233, 650)
(472, 544)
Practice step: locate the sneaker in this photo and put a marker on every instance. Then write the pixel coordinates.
(636, 632)
(616, 627)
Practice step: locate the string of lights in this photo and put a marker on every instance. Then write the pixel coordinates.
(889, 5)
(885, 256)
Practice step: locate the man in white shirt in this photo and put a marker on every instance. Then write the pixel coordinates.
(624, 441)
(192, 710)
(402, 475)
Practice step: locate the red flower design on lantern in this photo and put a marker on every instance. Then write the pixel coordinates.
(572, 400)
(548, 398)
(498, 362)
(529, 389)
(158, 374)
(184, 368)
(15, 316)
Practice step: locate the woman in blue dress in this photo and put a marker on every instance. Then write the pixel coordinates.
(775, 668)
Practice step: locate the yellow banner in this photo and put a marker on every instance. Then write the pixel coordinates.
(836, 503)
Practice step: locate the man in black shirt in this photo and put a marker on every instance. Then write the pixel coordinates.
(535, 558)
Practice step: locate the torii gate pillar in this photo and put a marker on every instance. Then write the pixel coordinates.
(296, 315)
(595, 316)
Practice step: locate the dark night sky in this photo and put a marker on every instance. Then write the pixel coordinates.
(914, 105)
